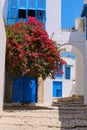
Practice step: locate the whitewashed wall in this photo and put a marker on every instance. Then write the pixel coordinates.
(67, 88)
(2, 56)
(48, 91)
(53, 14)
(67, 85)
(85, 1)
(4, 6)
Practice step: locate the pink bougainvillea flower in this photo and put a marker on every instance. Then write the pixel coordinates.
(30, 50)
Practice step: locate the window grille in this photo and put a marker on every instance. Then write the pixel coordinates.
(21, 13)
(31, 13)
(41, 14)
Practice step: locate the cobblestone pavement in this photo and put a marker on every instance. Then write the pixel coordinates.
(64, 115)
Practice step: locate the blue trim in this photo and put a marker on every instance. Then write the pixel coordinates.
(84, 11)
(67, 54)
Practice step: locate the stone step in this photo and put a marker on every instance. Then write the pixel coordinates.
(12, 127)
(55, 110)
(47, 122)
(68, 105)
(71, 107)
(50, 114)
(46, 116)
(64, 115)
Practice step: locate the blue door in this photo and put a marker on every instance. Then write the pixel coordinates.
(17, 90)
(29, 90)
(57, 89)
(24, 90)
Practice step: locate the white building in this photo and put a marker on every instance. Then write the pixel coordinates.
(77, 40)
(63, 85)
(52, 18)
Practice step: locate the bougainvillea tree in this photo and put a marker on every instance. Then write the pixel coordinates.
(30, 50)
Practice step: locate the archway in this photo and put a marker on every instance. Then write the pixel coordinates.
(79, 74)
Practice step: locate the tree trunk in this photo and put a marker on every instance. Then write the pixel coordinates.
(40, 90)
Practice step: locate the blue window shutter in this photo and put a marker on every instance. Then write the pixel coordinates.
(41, 11)
(32, 4)
(14, 3)
(41, 4)
(22, 3)
(67, 72)
(13, 13)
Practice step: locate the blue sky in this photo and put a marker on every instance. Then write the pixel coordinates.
(71, 9)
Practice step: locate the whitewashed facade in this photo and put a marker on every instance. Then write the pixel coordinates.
(54, 27)
(2, 55)
(67, 85)
(76, 39)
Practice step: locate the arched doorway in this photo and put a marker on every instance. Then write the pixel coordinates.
(79, 73)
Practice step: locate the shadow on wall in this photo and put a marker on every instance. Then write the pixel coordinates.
(4, 10)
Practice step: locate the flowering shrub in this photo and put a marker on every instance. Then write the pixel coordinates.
(30, 50)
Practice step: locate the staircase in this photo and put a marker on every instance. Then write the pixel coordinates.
(65, 114)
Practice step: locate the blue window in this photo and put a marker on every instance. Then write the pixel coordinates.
(67, 72)
(57, 89)
(14, 3)
(21, 9)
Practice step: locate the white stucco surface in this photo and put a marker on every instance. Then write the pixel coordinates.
(2, 58)
(67, 88)
(53, 13)
(85, 1)
(75, 39)
(48, 91)
(4, 6)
